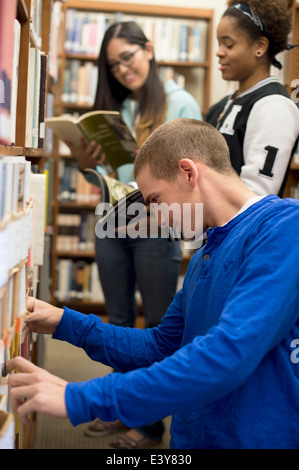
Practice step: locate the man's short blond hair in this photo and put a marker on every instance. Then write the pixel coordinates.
(183, 138)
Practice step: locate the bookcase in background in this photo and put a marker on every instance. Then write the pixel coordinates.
(83, 24)
(292, 186)
(24, 32)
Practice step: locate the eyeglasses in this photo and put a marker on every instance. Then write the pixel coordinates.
(127, 60)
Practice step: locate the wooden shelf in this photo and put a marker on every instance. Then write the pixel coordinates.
(11, 151)
(22, 10)
(141, 9)
(75, 254)
(177, 63)
(78, 204)
(75, 106)
(294, 166)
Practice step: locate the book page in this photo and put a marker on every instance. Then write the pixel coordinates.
(65, 130)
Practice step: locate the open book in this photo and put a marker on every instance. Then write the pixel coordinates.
(112, 190)
(107, 128)
(117, 194)
(117, 214)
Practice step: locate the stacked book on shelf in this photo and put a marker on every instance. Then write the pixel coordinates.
(22, 212)
(75, 232)
(80, 82)
(73, 185)
(10, 34)
(84, 32)
(36, 21)
(174, 39)
(15, 241)
(36, 99)
(78, 280)
(9, 60)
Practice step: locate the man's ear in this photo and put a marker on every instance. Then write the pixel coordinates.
(189, 170)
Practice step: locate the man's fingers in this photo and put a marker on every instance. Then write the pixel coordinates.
(21, 402)
(20, 379)
(30, 303)
(21, 364)
(31, 317)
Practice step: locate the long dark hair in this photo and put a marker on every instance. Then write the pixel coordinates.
(111, 94)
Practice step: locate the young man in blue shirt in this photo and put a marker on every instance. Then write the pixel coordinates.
(221, 361)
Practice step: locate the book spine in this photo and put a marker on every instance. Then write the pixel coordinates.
(7, 16)
(14, 81)
(42, 101)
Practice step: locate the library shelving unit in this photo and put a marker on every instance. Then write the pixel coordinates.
(292, 186)
(192, 62)
(31, 20)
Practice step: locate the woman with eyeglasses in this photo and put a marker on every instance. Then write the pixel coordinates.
(259, 121)
(128, 82)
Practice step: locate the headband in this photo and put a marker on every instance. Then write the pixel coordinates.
(258, 21)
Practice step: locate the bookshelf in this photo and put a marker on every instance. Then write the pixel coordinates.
(292, 186)
(79, 55)
(24, 26)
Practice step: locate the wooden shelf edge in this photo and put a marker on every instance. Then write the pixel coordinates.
(294, 166)
(11, 151)
(22, 10)
(75, 254)
(143, 9)
(78, 204)
(176, 63)
(31, 152)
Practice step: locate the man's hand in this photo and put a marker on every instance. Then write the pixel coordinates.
(34, 389)
(42, 317)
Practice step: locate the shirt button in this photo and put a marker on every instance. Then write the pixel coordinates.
(206, 257)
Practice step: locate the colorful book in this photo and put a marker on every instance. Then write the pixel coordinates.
(7, 17)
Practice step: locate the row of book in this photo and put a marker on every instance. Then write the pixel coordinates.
(20, 199)
(54, 40)
(49, 141)
(36, 98)
(23, 204)
(79, 82)
(84, 31)
(73, 185)
(36, 21)
(78, 280)
(174, 39)
(10, 34)
(14, 185)
(9, 60)
(13, 343)
(75, 232)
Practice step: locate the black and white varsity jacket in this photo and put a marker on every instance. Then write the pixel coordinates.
(261, 127)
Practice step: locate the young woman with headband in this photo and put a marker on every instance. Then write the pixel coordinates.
(259, 121)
